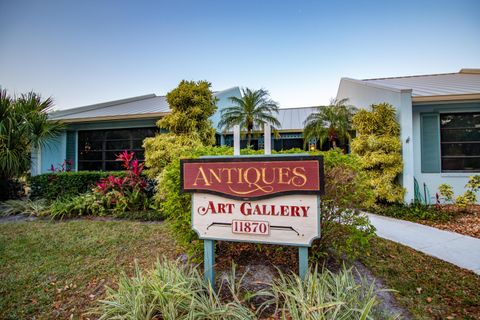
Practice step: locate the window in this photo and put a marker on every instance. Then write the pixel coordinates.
(285, 144)
(97, 149)
(460, 141)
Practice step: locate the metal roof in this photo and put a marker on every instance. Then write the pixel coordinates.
(293, 118)
(141, 106)
(467, 81)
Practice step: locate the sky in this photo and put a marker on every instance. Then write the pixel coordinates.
(86, 52)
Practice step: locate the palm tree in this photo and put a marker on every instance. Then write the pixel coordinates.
(254, 110)
(24, 125)
(332, 123)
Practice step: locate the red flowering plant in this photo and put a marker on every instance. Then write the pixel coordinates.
(126, 193)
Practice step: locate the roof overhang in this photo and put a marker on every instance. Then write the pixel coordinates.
(446, 98)
(116, 117)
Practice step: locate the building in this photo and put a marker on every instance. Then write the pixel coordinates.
(289, 135)
(96, 133)
(439, 115)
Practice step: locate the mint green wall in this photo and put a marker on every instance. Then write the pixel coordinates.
(434, 179)
(53, 152)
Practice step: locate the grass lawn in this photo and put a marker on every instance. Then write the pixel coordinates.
(56, 269)
(52, 270)
(429, 288)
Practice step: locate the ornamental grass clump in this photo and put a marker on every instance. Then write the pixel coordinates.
(175, 290)
(323, 295)
(172, 290)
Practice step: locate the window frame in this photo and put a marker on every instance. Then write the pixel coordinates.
(444, 143)
(103, 138)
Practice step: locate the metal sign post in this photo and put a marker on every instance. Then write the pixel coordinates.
(258, 199)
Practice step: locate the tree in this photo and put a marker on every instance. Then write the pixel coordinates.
(254, 110)
(332, 123)
(379, 147)
(24, 125)
(192, 104)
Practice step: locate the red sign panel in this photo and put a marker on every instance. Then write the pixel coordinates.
(258, 177)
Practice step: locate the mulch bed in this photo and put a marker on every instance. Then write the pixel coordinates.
(467, 224)
(464, 221)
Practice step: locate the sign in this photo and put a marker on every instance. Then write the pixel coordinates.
(253, 177)
(272, 200)
(287, 220)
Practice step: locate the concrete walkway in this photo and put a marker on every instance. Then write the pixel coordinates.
(460, 250)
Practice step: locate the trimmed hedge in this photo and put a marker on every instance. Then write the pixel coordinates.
(66, 184)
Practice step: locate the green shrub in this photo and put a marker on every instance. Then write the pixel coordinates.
(414, 212)
(345, 230)
(51, 186)
(346, 189)
(446, 191)
(166, 147)
(379, 147)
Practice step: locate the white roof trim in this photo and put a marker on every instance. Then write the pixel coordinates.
(375, 85)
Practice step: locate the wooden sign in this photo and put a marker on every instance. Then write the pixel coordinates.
(287, 220)
(253, 177)
(272, 200)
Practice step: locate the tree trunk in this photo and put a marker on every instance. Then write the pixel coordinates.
(334, 144)
(249, 138)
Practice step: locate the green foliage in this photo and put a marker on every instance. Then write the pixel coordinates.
(133, 205)
(446, 191)
(254, 110)
(466, 199)
(345, 229)
(473, 183)
(28, 207)
(414, 212)
(324, 295)
(192, 104)
(77, 206)
(176, 205)
(24, 125)
(347, 188)
(164, 148)
(332, 123)
(172, 290)
(51, 186)
(379, 147)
